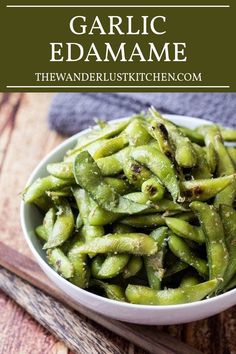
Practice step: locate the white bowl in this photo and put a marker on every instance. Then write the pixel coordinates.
(141, 314)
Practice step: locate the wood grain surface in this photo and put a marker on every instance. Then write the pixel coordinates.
(24, 140)
(146, 337)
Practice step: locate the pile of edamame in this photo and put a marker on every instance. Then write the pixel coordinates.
(142, 211)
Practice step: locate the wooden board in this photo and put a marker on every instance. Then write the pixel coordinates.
(24, 140)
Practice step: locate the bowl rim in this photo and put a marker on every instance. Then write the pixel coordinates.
(39, 259)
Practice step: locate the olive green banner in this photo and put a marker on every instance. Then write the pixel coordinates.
(119, 46)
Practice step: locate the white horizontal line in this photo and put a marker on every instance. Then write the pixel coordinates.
(152, 86)
(109, 6)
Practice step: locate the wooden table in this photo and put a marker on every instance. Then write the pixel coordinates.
(24, 140)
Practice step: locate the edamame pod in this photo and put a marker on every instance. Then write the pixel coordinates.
(88, 175)
(150, 220)
(63, 227)
(214, 232)
(186, 255)
(41, 185)
(137, 294)
(111, 146)
(60, 263)
(113, 265)
(133, 243)
(81, 270)
(160, 165)
(133, 266)
(184, 229)
(112, 291)
(155, 264)
(184, 151)
(228, 217)
(204, 189)
(153, 189)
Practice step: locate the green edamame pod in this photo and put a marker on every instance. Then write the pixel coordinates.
(228, 217)
(153, 189)
(97, 134)
(88, 175)
(81, 270)
(89, 232)
(41, 185)
(193, 135)
(78, 222)
(96, 264)
(122, 229)
(204, 189)
(41, 232)
(186, 254)
(202, 170)
(159, 132)
(136, 133)
(133, 243)
(113, 265)
(83, 202)
(184, 229)
(150, 220)
(160, 166)
(113, 164)
(232, 154)
(231, 284)
(49, 221)
(111, 146)
(112, 291)
(214, 232)
(189, 280)
(62, 170)
(60, 263)
(44, 203)
(135, 173)
(137, 294)
(133, 266)
(99, 216)
(119, 185)
(225, 165)
(63, 227)
(228, 134)
(177, 267)
(155, 264)
(211, 157)
(184, 151)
